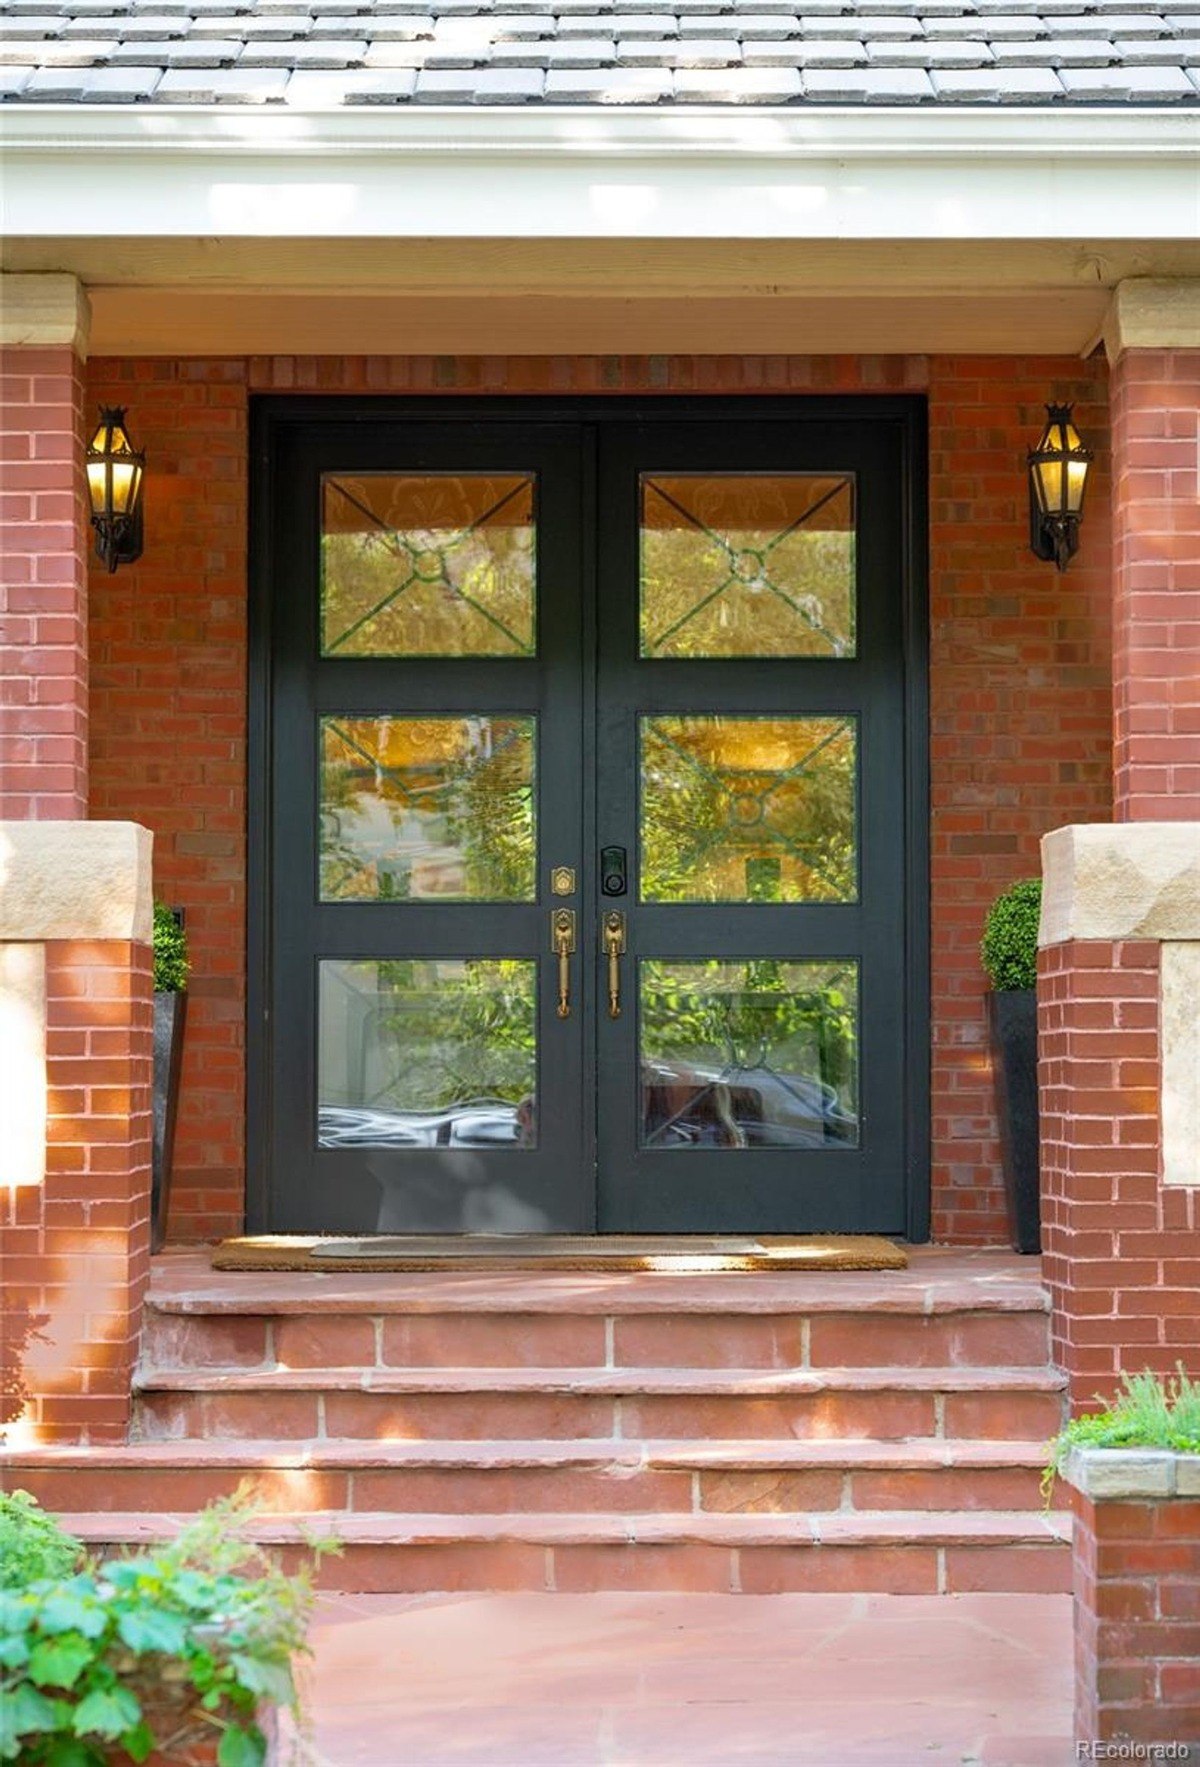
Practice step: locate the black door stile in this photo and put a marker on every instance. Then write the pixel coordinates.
(587, 686)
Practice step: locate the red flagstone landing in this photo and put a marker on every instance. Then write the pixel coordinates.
(692, 1681)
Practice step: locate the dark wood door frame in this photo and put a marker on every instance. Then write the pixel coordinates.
(275, 418)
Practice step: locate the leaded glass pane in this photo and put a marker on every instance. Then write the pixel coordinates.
(437, 565)
(428, 809)
(739, 809)
(747, 565)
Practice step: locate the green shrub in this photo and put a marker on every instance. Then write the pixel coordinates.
(1010, 938)
(1147, 1413)
(32, 1545)
(170, 952)
(178, 1644)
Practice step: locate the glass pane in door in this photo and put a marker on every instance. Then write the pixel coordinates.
(439, 564)
(741, 565)
(741, 809)
(748, 1053)
(427, 1053)
(428, 809)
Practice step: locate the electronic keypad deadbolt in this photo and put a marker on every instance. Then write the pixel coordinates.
(612, 871)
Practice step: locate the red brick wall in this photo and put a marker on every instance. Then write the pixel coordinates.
(1020, 684)
(1020, 719)
(1137, 1620)
(75, 1249)
(1156, 599)
(1122, 1255)
(43, 573)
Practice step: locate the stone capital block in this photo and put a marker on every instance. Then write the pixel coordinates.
(1126, 880)
(1153, 313)
(38, 311)
(75, 880)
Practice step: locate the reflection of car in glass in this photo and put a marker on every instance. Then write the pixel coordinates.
(480, 1122)
(692, 1106)
(682, 1106)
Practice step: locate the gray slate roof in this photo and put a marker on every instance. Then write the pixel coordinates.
(656, 52)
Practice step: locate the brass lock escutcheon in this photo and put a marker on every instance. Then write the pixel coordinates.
(614, 948)
(562, 943)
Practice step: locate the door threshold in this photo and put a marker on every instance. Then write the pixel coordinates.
(680, 1253)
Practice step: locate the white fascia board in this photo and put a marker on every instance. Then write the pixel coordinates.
(891, 173)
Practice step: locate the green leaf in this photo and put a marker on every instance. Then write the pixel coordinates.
(138, 1743)
(242, 1748)
(14, 1651)
(68, 1751)
(107, 1713)
(153, 1629)
(25, 1710)
(271, 1681)
(72, 1609)
(59, 1662)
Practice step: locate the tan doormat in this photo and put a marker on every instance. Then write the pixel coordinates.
(681, 1253)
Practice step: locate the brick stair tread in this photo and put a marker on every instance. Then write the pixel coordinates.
(916, 1453)
(747, 1381)
(833, 1529)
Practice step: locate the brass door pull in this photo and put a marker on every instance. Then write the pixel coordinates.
(614, 947)
(562, 943)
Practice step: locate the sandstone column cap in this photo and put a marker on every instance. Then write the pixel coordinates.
(1153, 313)
(1123, 880)
(1133, 1474)
(40, 311)
(76, 880)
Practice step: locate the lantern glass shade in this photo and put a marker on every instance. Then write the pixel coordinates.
(1058, 474)
(115, 470)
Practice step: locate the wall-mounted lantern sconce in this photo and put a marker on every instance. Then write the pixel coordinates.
(1058, 472)
(115, 470)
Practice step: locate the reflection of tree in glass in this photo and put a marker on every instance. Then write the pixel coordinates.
(463, 1030)
(454, 795)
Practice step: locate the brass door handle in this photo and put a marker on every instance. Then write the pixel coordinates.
(562, 943)
(614, 947)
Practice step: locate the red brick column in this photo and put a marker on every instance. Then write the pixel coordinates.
(44, 536)
(1119, 1047)
(1136, 1578)
(1156, 584)
(76, 1028)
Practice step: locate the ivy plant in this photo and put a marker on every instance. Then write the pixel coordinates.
(170, 952)
(1148, 1412)
(152, 1651)
(1010, 936)
(32, 1545)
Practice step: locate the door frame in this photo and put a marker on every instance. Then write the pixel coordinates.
(273, 415)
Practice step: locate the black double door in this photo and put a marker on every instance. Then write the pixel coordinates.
(589, 851)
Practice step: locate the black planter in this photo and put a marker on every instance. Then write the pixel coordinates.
(1012, 1015)
(170, 1013)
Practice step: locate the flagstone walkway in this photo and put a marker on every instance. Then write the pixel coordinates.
(704, 1680)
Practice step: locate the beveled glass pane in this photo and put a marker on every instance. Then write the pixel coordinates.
(747, 564)
(740, 809)
(437, 565)
(749, 1054)
(428, 1053)
(427, 810)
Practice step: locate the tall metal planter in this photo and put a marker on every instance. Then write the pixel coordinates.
(170, 1014)
(1012, 1016)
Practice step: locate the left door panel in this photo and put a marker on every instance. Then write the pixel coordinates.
(421, 745)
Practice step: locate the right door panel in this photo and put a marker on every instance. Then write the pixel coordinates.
(752, 762)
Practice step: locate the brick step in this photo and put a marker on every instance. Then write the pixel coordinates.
(525, 1478)
(898, 1552)
(717, 1337)
(1023, 1404)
